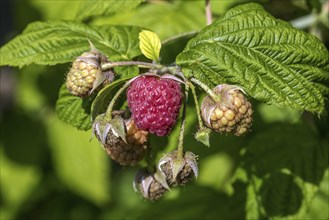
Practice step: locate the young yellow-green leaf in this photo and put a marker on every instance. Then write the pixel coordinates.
(53, 42)
(150, 44)
(273, 62)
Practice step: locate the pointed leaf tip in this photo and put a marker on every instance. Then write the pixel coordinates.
(203, 136)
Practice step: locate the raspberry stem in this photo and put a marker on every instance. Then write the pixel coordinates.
(106, 66)
(180, 148)
(213, 96)
(208, 12)
(196, 105)
(108, 114)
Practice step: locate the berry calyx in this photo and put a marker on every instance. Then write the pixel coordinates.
(126, 149)
(232, 114)
(177, 170)
(148, 186)
(130, 152)
(155, 103)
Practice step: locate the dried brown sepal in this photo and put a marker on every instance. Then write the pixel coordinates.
(178, 170)
(148, 186)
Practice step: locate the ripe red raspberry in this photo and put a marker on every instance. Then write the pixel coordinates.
(155, 103)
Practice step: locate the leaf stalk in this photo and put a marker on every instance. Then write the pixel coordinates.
(108, 114)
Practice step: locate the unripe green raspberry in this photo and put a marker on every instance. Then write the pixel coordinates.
(233, 114)
(82, 75)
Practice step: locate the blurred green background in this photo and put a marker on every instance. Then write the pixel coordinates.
(50, 170)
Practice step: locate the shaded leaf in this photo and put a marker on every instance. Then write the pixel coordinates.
(292, 147)
(105, 96)
(271, 60)
(74, 110)
(319, 207)
(81, 165)
(285, 164)
(172, 46)
(280, 195)
(17, 182)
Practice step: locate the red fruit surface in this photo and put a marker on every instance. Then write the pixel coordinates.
(154, 103)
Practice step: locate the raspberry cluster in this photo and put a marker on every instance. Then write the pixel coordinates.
(154, 100)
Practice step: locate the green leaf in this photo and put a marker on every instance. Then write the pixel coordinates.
(172, 46)
(271, 60)
(74, 110)
(95, 8)
(274, 193)
(166, 18)
(285, 163)
(104, 97)
(50, 9)
(313, 4)
(150, 44)
(81, 164)
(319, 207)
(292, 147)
(17, 183)
(49, 43)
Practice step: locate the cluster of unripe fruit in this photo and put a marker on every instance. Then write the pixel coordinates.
(154, 102)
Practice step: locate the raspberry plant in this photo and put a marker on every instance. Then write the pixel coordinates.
(198, 91)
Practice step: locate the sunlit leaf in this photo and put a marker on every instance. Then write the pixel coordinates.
(273, 62)
(53, 42)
